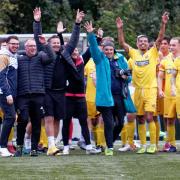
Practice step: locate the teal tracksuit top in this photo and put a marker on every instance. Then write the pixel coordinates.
(103, 73)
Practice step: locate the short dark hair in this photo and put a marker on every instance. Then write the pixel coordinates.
(166, 38)
(11, 37)
(53, 37)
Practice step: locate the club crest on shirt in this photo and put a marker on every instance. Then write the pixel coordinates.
(142, 63)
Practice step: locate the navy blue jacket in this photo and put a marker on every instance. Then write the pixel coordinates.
(31, 72)
(8, 73)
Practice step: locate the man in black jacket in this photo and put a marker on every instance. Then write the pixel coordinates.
(56, 76)
(31, 91)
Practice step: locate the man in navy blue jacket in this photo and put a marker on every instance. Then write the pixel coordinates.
(31, 91)
(8, 84)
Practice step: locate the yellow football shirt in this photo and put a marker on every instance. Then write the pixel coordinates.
(167, 66)
(90, 74)
(143, 67)
(177, 65)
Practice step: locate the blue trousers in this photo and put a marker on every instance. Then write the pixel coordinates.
(8, 120)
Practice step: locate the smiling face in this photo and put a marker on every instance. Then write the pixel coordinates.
(175, 46)
(164, 46)
(13, 45)
(109, 51)
(142, 43)
(30, 47)
(75, 53)
(55, 44)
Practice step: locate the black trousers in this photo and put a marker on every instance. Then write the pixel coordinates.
(119, 113)
(30, 107)
(108, 124)
(113, 118)
(76, 107)
(8, 120)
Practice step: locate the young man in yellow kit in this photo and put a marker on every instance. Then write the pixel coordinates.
(175, 81)
(94, 118)
(163, 53)
(167, 69)
(143, 67)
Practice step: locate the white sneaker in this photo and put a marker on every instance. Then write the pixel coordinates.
(5, 153)
(93, 151)
(65, 150)
(127, 147)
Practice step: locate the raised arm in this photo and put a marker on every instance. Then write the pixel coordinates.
(95, 51)
(121, 40)
(60, 30)
(165, 18)
(71, 45)
(37, 28)
(87, 55)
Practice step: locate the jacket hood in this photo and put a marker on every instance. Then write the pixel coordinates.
(7, 52)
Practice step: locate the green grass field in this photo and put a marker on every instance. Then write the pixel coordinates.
(79, 166)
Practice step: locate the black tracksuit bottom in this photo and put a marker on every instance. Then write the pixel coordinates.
(30, 107)
(113, 118)
(76, 107)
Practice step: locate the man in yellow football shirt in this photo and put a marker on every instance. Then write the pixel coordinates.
(163, 53)
(143, 67)
(167, 69)
(175, 80)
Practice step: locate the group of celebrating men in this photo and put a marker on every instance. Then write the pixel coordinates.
(48, 82)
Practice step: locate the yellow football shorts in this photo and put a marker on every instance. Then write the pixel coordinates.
(91, 108)
(169, 107)
(145, 100)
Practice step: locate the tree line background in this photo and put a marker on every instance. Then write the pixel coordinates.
(139, 16)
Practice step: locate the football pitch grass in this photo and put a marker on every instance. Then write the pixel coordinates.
(79, 166)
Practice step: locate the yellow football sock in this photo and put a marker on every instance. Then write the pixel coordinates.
(124, 135)
(11, 135)
(166, 139)
(142, 133)
(130, 132)
(157, 131)
(43, 137)
(152, 132)
(171, 134)
(100, 135)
